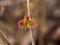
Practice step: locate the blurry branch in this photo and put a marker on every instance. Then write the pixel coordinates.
(2, 40)
(8, 33)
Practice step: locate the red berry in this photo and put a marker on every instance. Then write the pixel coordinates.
(27, 17)
(20, 23)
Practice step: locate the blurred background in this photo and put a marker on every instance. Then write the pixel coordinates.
(46, 13)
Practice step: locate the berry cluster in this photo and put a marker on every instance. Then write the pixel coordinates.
(27, 22)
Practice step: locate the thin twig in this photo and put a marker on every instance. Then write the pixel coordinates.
(33, 43)
(28, 7)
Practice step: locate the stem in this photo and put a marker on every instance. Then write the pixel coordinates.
(28, 7)
(31, 35)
